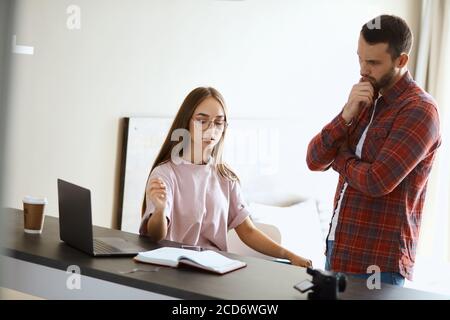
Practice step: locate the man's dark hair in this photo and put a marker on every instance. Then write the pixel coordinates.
(389, 29)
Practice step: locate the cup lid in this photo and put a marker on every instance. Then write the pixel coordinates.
(34, 200)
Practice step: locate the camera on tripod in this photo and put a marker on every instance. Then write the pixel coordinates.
(325, 285)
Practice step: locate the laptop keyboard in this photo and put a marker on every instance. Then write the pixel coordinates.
(102, 247)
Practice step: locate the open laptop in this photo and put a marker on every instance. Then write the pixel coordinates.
(75, 224)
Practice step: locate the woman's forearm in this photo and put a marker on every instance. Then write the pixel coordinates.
(259, 241)
(157, 226)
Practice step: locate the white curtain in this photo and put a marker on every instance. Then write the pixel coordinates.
(433, 74)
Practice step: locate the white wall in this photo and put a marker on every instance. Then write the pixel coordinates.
(285, 59)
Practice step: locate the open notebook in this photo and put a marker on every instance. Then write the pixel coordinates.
(208, 260)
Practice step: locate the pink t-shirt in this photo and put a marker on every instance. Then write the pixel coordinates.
(201, 205)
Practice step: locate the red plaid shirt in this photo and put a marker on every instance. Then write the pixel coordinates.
(381, 210)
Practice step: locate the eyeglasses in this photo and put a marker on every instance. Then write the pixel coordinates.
(206, 124)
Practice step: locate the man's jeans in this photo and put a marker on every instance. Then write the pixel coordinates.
(393, 278)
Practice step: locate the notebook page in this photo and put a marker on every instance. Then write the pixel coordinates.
(166, 255)
(209, 258)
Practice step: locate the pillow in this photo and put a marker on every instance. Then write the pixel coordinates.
(299, 226)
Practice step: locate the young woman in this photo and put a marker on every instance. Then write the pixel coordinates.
(191, 196)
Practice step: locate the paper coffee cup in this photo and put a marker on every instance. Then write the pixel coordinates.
(33, 214)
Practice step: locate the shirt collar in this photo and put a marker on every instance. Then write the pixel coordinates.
(184, 161)
(398, 88)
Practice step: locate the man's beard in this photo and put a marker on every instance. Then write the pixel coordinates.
(385, 81)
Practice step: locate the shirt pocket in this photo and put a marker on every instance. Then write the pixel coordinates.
(375, 139)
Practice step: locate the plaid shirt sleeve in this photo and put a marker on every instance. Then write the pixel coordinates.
(324, 146)
(413, 135)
